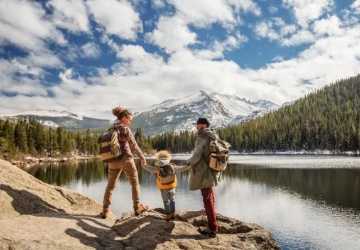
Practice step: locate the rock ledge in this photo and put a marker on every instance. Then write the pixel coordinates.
(35, 215)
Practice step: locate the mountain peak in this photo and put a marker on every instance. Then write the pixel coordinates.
(204, 93)
(179, 114)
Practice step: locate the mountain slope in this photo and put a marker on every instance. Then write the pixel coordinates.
(64, 119)
(328, 119)
(180, 114)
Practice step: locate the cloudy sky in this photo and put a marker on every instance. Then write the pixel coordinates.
(86, 56)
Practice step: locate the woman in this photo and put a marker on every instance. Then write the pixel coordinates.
(126, 163)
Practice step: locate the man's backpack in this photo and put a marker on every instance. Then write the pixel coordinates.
(167, 174)
(110, 147)
(218, 154)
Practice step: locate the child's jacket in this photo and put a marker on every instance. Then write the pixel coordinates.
(166, 174)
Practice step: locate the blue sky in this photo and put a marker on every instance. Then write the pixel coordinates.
(87, 56)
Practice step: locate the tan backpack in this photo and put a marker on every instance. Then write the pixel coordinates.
(110, 147)
(218, 154)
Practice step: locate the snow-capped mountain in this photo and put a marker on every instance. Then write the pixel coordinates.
(54, 118)
(180, 114)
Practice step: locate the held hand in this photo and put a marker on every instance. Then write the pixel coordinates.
(143, 162)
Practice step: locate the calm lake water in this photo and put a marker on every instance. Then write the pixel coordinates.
(307, 202)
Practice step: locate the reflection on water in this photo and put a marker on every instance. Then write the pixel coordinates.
(338, 187)
(86, 172)
(305, 208)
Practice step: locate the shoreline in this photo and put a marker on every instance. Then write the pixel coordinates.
(30, 161)
(300, 153)
(289, 153)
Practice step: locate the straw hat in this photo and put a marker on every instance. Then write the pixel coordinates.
(163, 155)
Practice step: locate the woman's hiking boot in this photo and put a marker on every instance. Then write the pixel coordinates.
(141, 208)
(105, 213)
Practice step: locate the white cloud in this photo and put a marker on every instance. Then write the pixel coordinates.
(298, 38)
(306, 11)
(328, 26)
(245, 6)
(24, 24)
(137, 60)
(265, 30)
(90, 49)
(16, 77)
(276, 29)
(70, 15)
(117, 17)
(202, 13)
(217, 49)
(158, 3)
(172, 33)
(356, 6)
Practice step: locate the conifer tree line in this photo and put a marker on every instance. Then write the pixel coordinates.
(30, 137)
(175, 142)
(327, 119)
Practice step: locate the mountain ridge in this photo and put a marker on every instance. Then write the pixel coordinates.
(174, 114)
(56, 118)
(180, 114)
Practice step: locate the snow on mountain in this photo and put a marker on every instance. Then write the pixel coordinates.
(46, 113)
(170, 115)
(49, 124)
(55, 118)
(180, 114)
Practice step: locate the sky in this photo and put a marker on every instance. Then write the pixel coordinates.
(86, 56)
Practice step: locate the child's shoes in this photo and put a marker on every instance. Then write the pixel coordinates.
(170, 217)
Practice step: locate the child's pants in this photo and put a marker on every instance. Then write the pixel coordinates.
(168, 196)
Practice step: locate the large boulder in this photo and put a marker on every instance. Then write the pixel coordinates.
(35, 215)
(151, 231)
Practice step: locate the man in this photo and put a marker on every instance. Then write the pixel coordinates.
(125, 163)
(202, 177)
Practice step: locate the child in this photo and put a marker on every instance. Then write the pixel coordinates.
(166, 179)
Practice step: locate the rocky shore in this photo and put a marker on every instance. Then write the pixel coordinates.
(30, 161)
(35, 215)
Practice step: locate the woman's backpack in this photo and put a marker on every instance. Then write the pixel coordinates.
(167, 174)
(110, 147)
(218, 154)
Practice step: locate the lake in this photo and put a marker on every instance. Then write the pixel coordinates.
(307, 202)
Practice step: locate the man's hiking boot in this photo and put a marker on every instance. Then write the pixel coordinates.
(141, 208)
(207, 232)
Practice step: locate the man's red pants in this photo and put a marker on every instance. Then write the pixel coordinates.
(209, 204)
